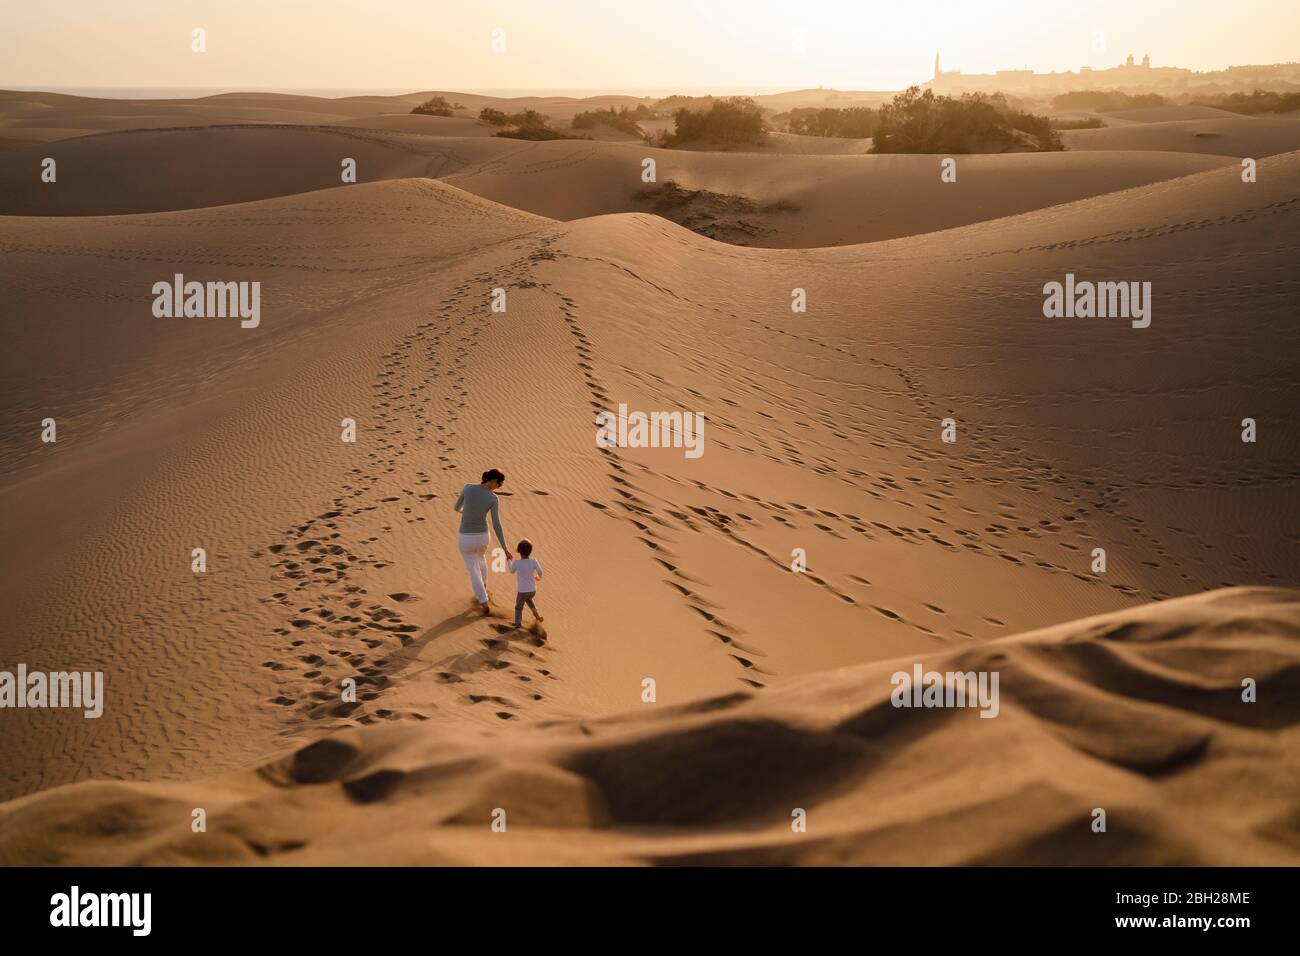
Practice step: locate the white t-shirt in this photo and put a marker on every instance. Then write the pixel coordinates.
(524, 569)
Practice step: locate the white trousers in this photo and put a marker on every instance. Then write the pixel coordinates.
(473, 551)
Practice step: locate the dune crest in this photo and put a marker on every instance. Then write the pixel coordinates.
(1139, 713)
(815, 198)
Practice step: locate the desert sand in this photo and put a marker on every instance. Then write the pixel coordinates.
(1170, 114)
(1131, 712)
(840, 199)
(20, 109)
(330, 560)
(1237, 136)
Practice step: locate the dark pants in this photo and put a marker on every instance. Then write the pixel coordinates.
(522, 598)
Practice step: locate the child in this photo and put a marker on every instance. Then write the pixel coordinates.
(527, 571)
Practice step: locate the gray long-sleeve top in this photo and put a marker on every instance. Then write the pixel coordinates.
(474, 503)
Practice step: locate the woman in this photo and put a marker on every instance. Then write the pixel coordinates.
(474, 503)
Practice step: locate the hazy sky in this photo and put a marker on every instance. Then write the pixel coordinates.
(616, 45)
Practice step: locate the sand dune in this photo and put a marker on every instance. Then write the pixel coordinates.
(1155, 114)
(32, 110)
(840, 199)
(178, 432)
(560, 109)
(331, 560)
(1239, 136)
(782, 143)
(1170, 114)
(153, 170)
(425, 125)
(1108, 119)
(1137, 713)
(38, 134)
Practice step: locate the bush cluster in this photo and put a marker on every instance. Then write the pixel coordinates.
(1107, 101)
(854, 122)
(736, 119)
(526, 124)
(1250, 104)
(622, 119)
(921, 122)
(437, 106)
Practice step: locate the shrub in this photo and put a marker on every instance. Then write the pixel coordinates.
(436, 106)
(676, 101)
(492, 117)
(528, 119)
(917, 122)
(1039, 127)
(1088, 122)
(536, 133)
(736, 119)
(531, 125)
(621, 119)
(855, 122)
(1250, 104)
(921, 122)
(1107, 101)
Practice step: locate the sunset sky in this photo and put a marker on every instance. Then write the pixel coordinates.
(585, 45)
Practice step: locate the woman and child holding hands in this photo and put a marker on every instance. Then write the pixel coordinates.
(475, 503)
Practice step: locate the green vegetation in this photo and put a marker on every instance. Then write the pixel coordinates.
(622, 119)
(1106, 101)
(537, 133)
(437, 106)
(1247, 104)
(1088, 122)
(736, 119)
(528, 119)
(677, 101)
(529, 124)
(1036, 125)
(854, 122)
(921, 122)
(1251, 104)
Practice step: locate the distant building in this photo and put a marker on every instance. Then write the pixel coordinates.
(1128, 74)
